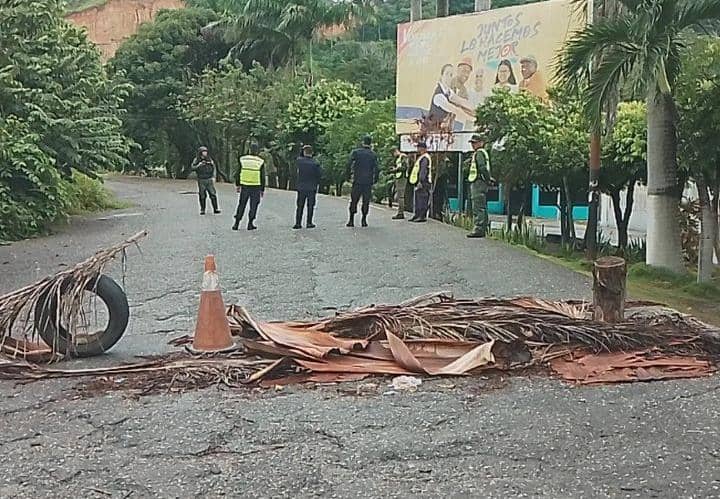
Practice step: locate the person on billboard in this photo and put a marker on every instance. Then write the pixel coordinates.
(505, 76)
(445, 105)
(533, 80)
(478, 93)
(464, 70)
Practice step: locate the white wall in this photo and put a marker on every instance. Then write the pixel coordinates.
(638, 218)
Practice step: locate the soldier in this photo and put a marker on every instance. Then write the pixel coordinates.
(250, 183)
(363, 167)
(421, 178)
(401, 174)
(204, 168)
(479, 179)
(270, 168)
(309, 174)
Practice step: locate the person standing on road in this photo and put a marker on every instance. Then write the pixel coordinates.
(363, 167)
(204, 167)
(250, 183)
(309, 174)
(401, 174)
(270, 169)
(421, 179)
(480, 179)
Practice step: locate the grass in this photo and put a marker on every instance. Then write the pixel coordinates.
(73, 6)
(88, 196)
(679, 291)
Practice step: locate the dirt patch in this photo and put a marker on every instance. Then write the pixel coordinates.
(113, 22)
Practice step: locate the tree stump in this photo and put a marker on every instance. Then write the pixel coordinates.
(609, 279)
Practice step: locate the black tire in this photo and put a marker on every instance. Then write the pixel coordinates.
(57, 336)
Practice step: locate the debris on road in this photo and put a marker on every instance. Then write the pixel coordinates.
(409, 383)
(586, 369)
(62, 293)
(433, 335)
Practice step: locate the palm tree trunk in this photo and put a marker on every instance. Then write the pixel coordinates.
(415, 10)
(442, 8)
(663, 231)
(708, 233)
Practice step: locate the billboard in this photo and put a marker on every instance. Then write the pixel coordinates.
(447, 66)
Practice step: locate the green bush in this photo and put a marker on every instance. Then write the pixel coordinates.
(88, 195)
(32, 193)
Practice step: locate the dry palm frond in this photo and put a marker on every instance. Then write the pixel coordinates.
(65, 288)
(524, 319)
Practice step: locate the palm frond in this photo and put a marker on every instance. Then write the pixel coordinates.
(574, 62)
(697, 13)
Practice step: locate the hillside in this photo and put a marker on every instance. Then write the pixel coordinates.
(110, 22)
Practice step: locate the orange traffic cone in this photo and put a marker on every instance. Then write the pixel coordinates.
(212, 332)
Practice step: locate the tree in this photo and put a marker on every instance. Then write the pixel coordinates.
(565, 162)
(643, 44)
(313, 111)
(31, 190)
(625, 163)
(239, 105)
(388, 14)
(376, 118)
(370, 65)
(698, 96)
(53, 81)
(518, 125)
(278, 32)
(58, 113)
(160, 61)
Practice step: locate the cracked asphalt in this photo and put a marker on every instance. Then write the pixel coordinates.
(512, 437)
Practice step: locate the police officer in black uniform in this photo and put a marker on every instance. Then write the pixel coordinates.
(363, 167)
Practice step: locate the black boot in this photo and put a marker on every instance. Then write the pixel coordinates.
(202, 206)
(236, 225)
(309, 222)
(364, 221)
(251, 226)
(213, 200)
(298, 219)
(351, 221)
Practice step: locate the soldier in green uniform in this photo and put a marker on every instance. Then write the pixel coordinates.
(204, 167)
(270, 168)
(401, 174)
(480, 179)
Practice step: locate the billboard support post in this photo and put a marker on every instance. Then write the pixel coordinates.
(460, 185)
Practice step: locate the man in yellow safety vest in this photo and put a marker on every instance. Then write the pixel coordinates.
(401, 174)
(480, 179)
(421, 179)
(250, 183)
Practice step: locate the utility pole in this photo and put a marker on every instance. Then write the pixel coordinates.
(415, 10)
(481, 5)
(594, 167)
(442, 8)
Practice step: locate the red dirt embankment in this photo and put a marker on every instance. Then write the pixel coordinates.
(108, 25)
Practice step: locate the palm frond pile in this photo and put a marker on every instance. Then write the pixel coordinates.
(432, 335)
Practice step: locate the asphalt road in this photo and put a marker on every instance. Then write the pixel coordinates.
(514, 437)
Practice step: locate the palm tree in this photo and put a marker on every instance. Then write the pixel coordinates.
(643, 46)
(277, 32)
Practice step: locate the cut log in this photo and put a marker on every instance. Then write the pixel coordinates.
(609, 279)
